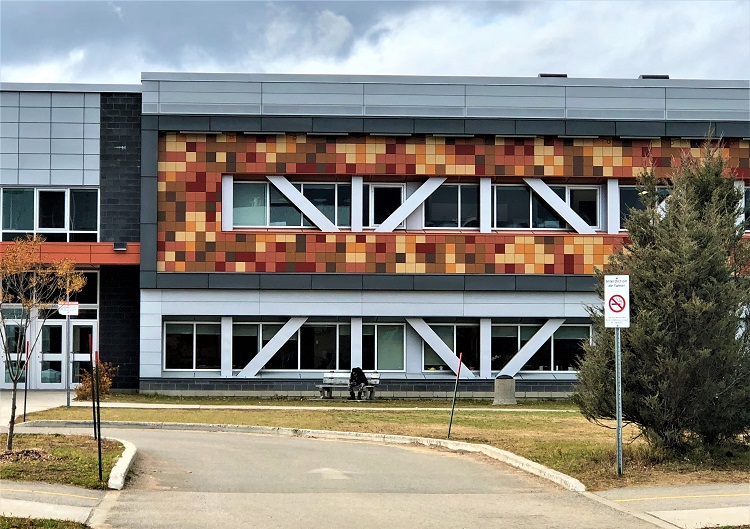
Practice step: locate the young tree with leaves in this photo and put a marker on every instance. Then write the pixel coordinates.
(30, 287)
(686, 355)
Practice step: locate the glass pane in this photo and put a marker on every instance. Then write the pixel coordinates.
(344, 205)
(18, 209)
(207, 346)
(431, 359)
(441, 208)
(345, 347)
(79, 368)
(83, 336)
(52, 342)
(568, 348)
(629, 199)
(542, 214)
(318, 346)
(51, 372)
(747, 206)
(249, 208)
(286, 357)
(368, 347)
(13, 363)
(511, 207)
(504, 346)
(467, 342)
(469, 206)
(282, 212)
(390, 347)
(84, 206)
(323, 197)
(245, 344)
(89, 292)
(386, 200)
(366, 205)
(15, 341)
(52, 209)
(542, 359)
(585, 203)
(178, 348)
(82, 237)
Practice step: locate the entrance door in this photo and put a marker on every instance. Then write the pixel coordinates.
(49, 372)
(85, 340)
(11, 331)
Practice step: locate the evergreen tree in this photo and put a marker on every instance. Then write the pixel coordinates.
(685, 357)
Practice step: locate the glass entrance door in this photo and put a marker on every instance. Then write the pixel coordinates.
(50, 370)
(85, 340)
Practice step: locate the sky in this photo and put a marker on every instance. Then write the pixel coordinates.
(114, 41)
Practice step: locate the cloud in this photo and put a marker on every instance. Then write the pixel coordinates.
(114, 42)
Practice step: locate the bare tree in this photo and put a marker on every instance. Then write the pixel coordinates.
(30, 287)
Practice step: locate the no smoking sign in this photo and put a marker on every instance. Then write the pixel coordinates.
(617, 301)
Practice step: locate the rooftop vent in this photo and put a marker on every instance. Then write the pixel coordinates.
(656, 76)
(552, 75)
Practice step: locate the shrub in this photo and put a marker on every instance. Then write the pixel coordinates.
(107, 373)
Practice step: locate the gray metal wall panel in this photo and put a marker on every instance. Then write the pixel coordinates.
(66, 130)
(8, 130)
(202, 109)
(189, 98)
(314, 99)
(91, 115)
(612, 113)
(490, 283)
(92, 100)
(9, 161)
(149, 123)
(34, 114)
(36, 145)
(521, 113)
(198, 123)
(407, 111)
(64, 146)
(708, 104)
(10, 145)
(235, 123)
(66, 177)
(284, 124)
(709, 94)
(36, 99)
(540, 127)
(691, 129)
(182, 280)
(555, 92)
(8, 114)
(414, 89)
(34, 177)
(589, 128)
(67, 100)
(645, 129)
(713, 115)
(33, 161)
(149, 203)
(388, 125)
(343, 88)
(8, 177)
(148, 247)
(616, 103)
(149, 153)
(312, 110)
(439, 126)
(166, 87)
(36, 130)
(67, 161)
(515, 102)
(490, 126)
(414, 100)
(599, 92)
(9, 99)
(338, 124)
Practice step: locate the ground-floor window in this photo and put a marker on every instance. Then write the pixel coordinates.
(313, 347)
(383, 347)
(459, 339)
(192, 346)
(559, 353)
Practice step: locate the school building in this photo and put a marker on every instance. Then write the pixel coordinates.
(245, 233)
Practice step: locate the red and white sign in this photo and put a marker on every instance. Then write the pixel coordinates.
(68, 308)
(617, 301)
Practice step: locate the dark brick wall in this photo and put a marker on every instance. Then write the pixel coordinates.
(120, 167)
(119, 325)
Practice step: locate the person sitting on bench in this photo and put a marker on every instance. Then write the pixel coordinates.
(357, 381)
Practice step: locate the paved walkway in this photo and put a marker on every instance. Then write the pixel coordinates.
(689, 507)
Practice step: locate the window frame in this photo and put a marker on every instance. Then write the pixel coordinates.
(453, 347)
(194, 325)
(459, 204)
(300, 186)
(532, 194)
(377, 349)
(36, 229)
(634, 187)
(551, 339)
(368, 201)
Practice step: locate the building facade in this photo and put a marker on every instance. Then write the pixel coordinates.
(291, 225)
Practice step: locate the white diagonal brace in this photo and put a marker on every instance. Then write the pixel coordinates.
(271, 348)
(532, 346)
(301, 202)
(410, 204)
(438, 345)
(558, 205)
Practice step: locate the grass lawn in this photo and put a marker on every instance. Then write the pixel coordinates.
(70, 459)
(314, 401)
(563, 441)
(27, 523)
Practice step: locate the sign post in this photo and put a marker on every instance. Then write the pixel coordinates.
(68, 309)
(617, 315)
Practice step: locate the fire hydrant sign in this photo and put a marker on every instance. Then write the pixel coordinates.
(616, 301)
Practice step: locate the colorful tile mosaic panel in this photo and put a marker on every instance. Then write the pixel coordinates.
(429, 155)
(189, 201)
(387, 253)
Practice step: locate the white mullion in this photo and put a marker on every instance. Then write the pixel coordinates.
(195, 345)
(268, 203)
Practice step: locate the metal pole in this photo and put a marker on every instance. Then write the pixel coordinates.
(93, 399)
(68, 360)
(455, 390)
(618, 391)
(26, 383)
(98, 415)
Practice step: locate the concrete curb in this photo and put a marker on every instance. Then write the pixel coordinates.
(120, 471)
(504, 456)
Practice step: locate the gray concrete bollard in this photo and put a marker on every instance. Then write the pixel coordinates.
(505, 390)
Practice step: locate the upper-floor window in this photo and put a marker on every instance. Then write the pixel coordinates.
(260, 204)
(452, 206)
(747, 207)
(60, 215)
(630, 199)
(520, 207)
(379, 201)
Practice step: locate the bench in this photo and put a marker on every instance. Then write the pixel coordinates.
(337, 379)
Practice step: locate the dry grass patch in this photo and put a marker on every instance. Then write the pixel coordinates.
(69, 459)
(8, 522)
(563, 441)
